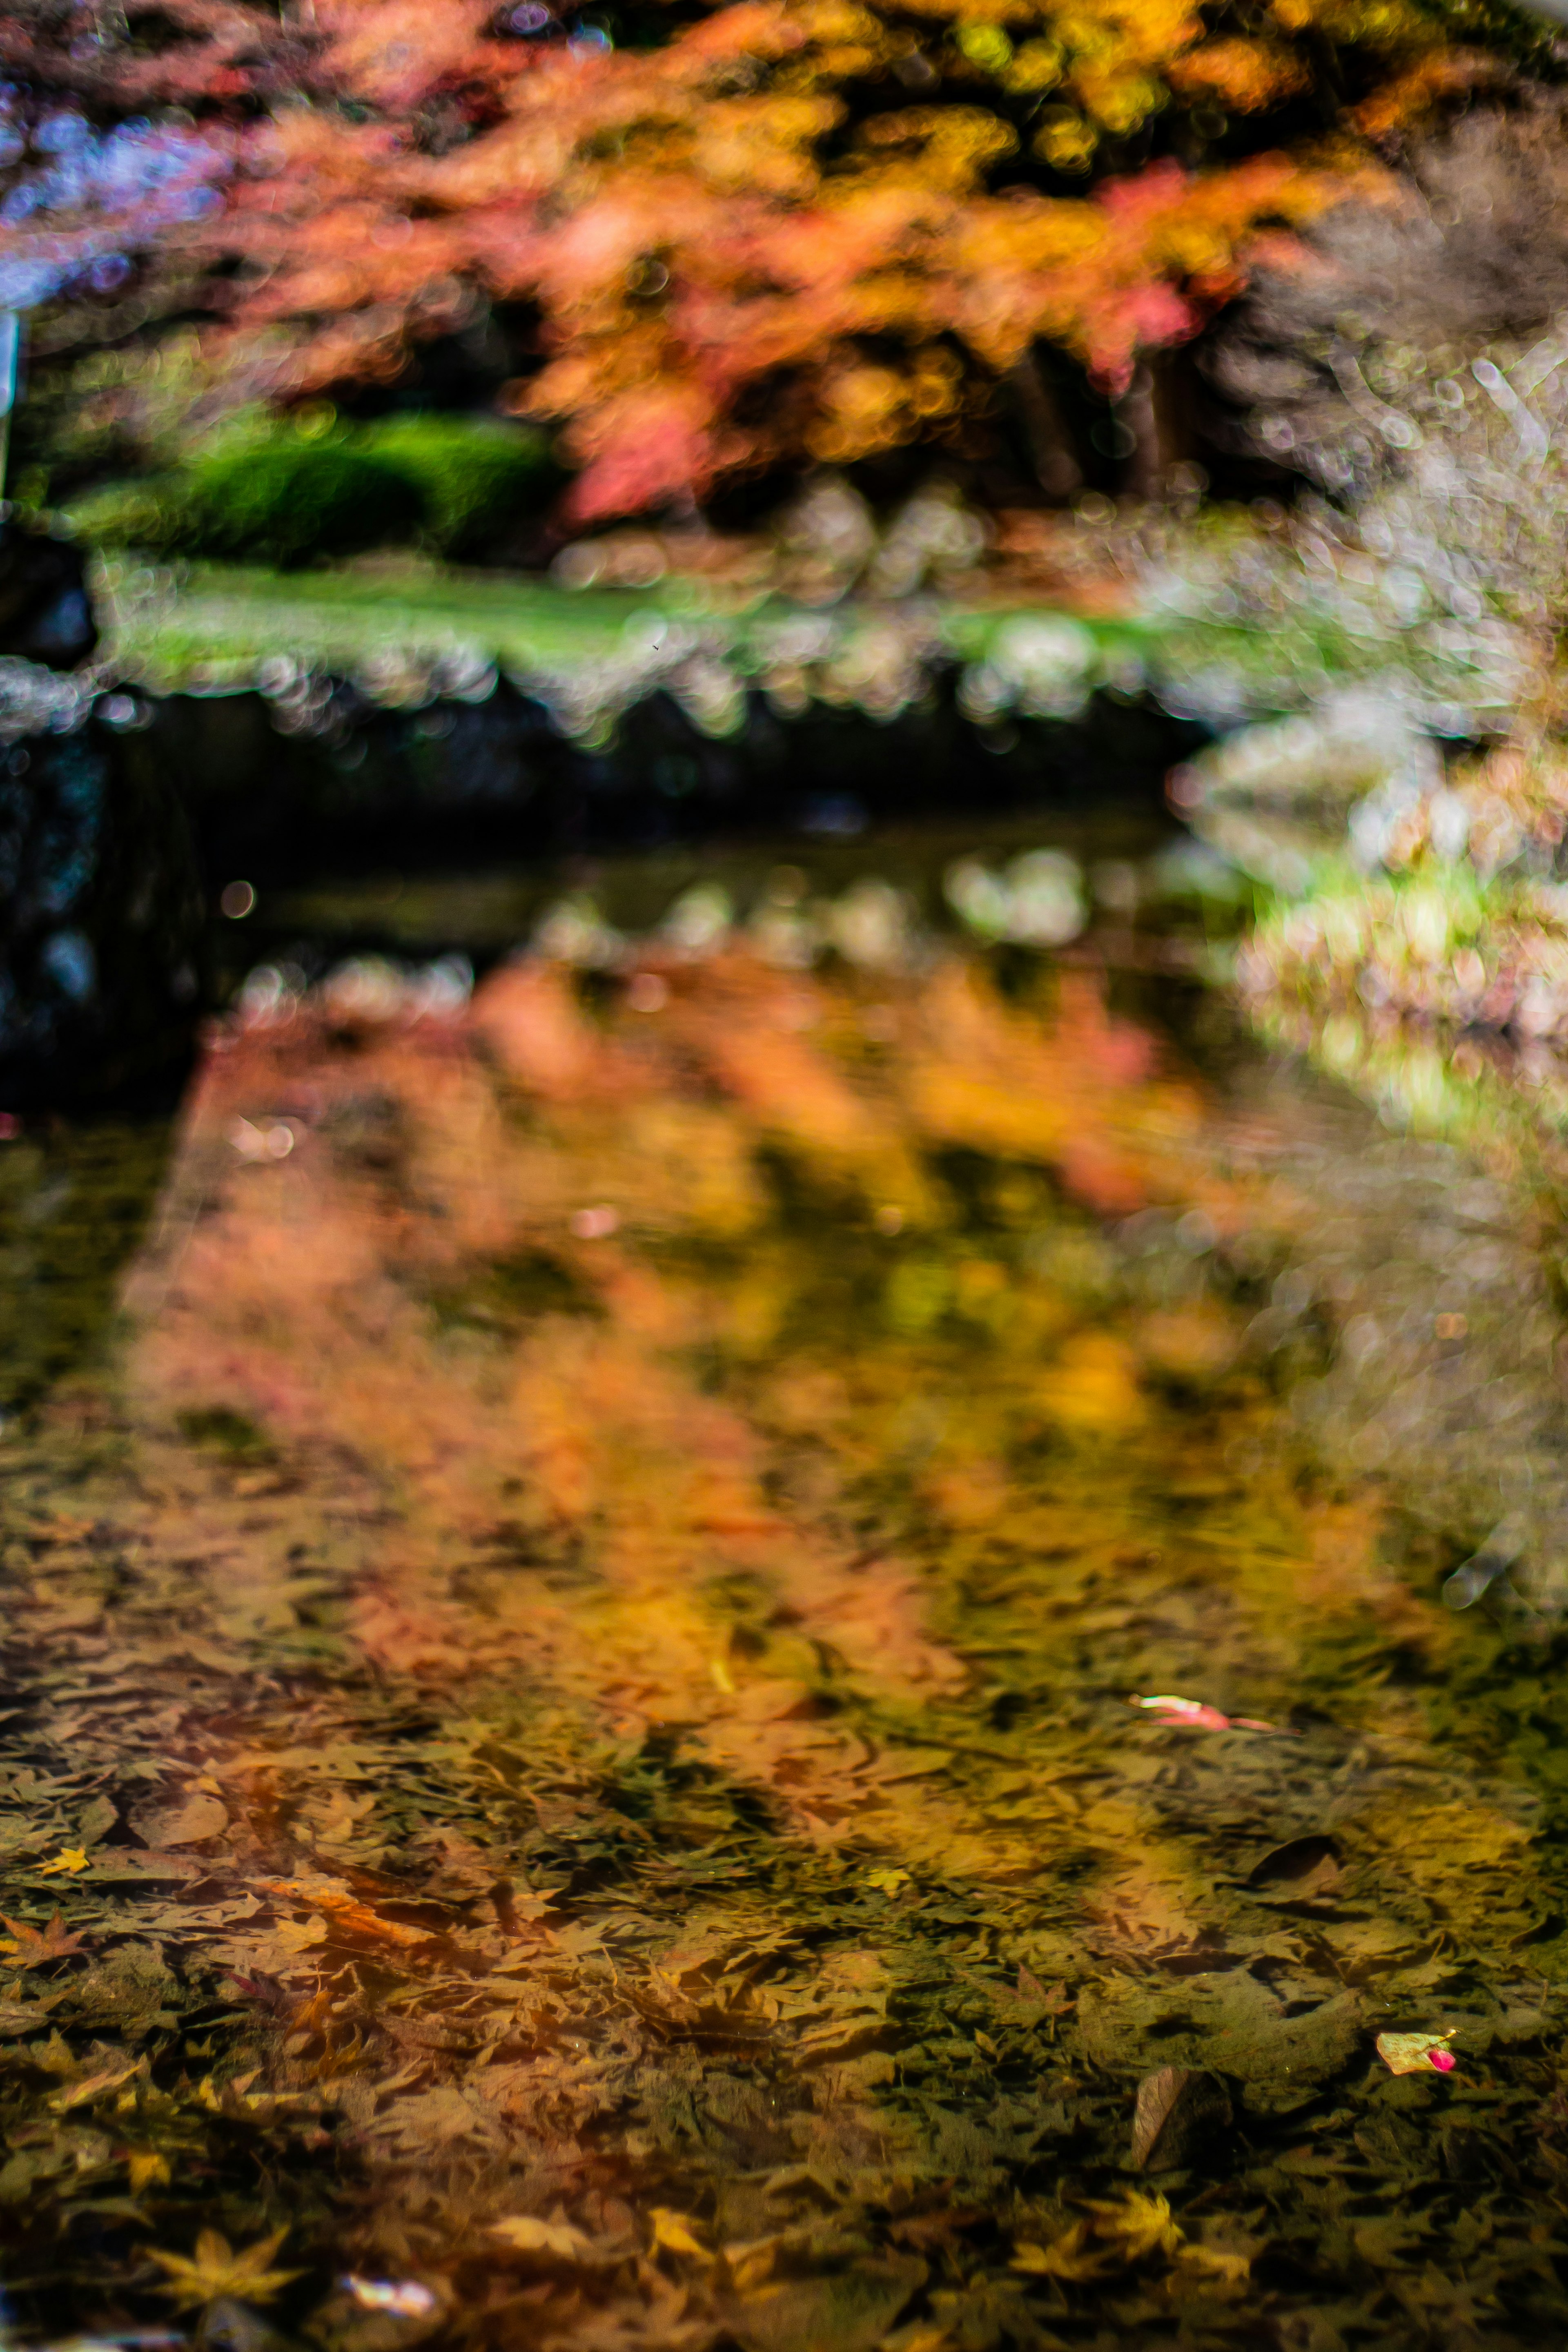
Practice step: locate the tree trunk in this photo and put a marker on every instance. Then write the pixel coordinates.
(1056, 470)
(1154, 411)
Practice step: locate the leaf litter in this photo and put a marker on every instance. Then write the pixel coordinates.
(570, 1782)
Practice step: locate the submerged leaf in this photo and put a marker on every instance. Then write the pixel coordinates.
(1197, 1714)
(673, 2232)
(1072, 2256)
(1303, 1870)
(1176, 2108)
(215, 2269)
(1216, 2262)
(1138, 2225)
(189, 1821)
(96, 2086)
(526, 2234)
(36, 1945)
(1417, 2053)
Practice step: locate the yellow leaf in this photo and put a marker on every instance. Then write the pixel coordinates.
(674, 2232)
(1071, 2256)
(146, 2166)
(750, 2265)
(983, 2041)
(302, 1935)
(215, 2269)
(73, 1859)
(1137, 2225)
(93, 2086)
(1214, 2262)
(1118, 2231)
(887, 1882)
(527, 2235)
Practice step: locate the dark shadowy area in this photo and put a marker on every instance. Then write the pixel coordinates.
(455, 783)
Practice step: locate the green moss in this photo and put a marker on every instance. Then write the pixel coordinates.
(283, 499)
(473, 478)
(291, 499)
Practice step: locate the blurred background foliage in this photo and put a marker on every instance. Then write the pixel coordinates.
(715, 246)
(284, 493)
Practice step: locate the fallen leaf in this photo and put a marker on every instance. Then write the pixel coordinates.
(72, 1860)
(217, 2268)
(1073, 2257)
(1215, 2262)
(1176, 2108)
(329, 1894)
(1117, 2232)
(673, 2232)
(850, 2311)
(1197, 1714)
(33, 1947)
(191, 1821)
(94, 2086)
(147, 2170)
(887, 1882)
(1300, 1871)
(1226, 2022)
(301, 1935)
(1138, 2225)
(526, 2234)
(752, 2262)
(18, 2016)
(1416, 2054)
(1056, 2000)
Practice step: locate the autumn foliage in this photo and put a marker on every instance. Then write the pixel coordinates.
(778, 230)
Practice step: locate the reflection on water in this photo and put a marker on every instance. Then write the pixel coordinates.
(575, 1712)
(75, 1199)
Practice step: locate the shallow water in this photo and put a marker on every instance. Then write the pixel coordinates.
(574, 1650)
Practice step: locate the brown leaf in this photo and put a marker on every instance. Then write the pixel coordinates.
(95, 2086)
(1302, 1871)
(34, 1947)
(1178, 2107)
(192, 1820)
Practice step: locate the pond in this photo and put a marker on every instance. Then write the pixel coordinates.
(808, 1631)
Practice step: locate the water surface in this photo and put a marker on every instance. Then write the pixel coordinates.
(576, 1644)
